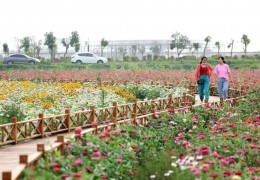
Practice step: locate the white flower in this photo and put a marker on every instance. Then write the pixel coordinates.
(174, 164)
(167, 174)
(152, 176)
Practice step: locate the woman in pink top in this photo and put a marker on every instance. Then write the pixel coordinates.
(223, 73)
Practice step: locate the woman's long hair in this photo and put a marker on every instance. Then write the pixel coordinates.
(222, 58)
(203, 58)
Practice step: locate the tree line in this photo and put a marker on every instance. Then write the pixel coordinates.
(179, 42)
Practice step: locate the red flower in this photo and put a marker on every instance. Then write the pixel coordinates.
(103, 176)
(227, 173)
(85, 153)
(133, 146)
(76, 175)
(56, 169)
(214, 176)
(238, 173)
(64, 176)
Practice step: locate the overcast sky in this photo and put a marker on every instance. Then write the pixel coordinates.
(223, 20)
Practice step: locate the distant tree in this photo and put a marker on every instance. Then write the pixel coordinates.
(245, 40)
(141, 50)
(156, 48)
(50, 41)
(25, 44)
(66, 43)
(17, 42)
(230, 45)
(103, 43)
(133, 50)
(5, 48)
(38, 48)
(217, 44)
(74, 40)
(196, 46)
(180, 42)
(122, 52)
(207, 40)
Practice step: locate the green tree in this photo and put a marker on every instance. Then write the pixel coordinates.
(50, 41)
(156, 48)
(104, 43)
(141, 50)
(230, 45)
(122, 52)
(180, 42)
(196, 46)
(25, 44)
(217, 44)
(74, 40)
(245, 40)
(133, 50)
(66, 43)
(207, 40)
(5, 48)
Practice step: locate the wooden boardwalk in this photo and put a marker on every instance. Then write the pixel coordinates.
(10, 154)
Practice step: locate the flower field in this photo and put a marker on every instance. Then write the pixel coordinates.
(211, 143)
(26, 99)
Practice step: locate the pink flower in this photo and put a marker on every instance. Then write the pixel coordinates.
(240, 152)
(205, 169)
(195, 172)
(78, 130)
(77, 162)
(215, 154)
(95, 149)
(97, 154)
(85, 153)
(64, 176)
(205, 152)
(201, 135)
(117, 132)
(224, 162)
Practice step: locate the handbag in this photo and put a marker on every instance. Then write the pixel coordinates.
(201, 81)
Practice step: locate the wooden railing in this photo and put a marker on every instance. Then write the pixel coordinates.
(118, 114)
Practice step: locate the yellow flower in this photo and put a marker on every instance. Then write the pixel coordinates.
(235, 177)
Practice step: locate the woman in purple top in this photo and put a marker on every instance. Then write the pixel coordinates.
(223, 73)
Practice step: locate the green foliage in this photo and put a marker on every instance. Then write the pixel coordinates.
(50, 41)
(5, 48)
(11, 110)
(26, 43)
(180, 42)
(245, 40)
(75, 41)
(104, 43)
(66, 43)
(156, 48)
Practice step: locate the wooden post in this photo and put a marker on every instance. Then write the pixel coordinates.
(92, 114)
(61, 140)
(23, 159)
(134, 118)
(221, 102)
(40, 148)
(7, 175)
(184, 99)
(41, 124)
(67, 120)
(153, 102)
(115, 109)
(14, 129)
(135, 106)
(170, 101)
(112, 83)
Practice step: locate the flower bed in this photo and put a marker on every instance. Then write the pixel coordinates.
(26, 99)
(212, 143)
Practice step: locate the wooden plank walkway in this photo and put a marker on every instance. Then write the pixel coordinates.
(10, 154)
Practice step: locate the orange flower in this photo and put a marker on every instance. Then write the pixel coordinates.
(56, 169)
(250, 121)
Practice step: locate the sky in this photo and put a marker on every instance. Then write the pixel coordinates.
(223, 20)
